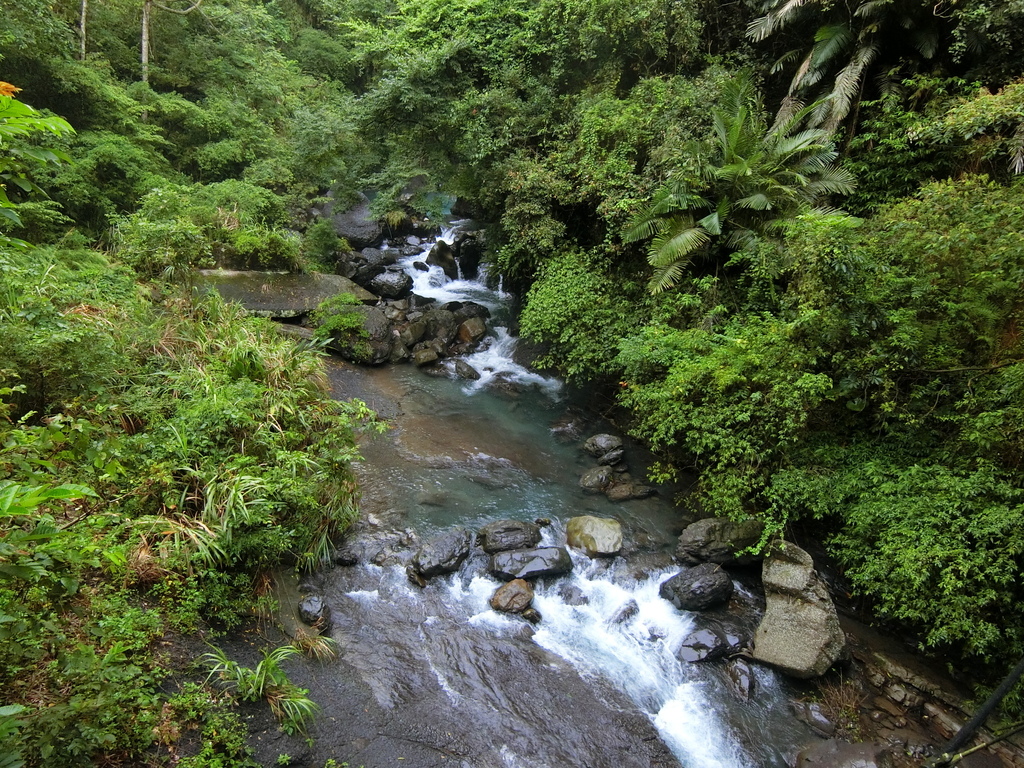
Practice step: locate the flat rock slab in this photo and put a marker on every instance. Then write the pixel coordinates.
(279, 294)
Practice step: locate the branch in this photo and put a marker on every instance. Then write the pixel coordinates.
(195, 5)
(962, 369)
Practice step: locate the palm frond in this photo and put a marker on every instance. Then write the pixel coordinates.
(778, 17)
(847, 85)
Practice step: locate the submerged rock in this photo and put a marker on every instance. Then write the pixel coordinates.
(697, 589)
(800, 633)
(597, 536)
(740, 678)
(709, 644)
(503, 535)
(530, 563)
(442, 554)
(839, 754)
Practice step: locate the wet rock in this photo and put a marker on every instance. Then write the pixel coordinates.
(800, 633)
(514, 597)
(530, 563)
(424, 356)
(471, 330)
(622, 488)
(442, 554)
(697, 589)
(718, 540)
(812, 713)
(413, 332)
(504, 535)
(601, 445)
(466, 371)
(419, 266)
(572, 595)
(740, 678)
(596, 480)
(532, 615)
(709, 644)
(314, 611)
(441, 325)
(612, 457)
(469, 249)
(441, 255)
(839, 754)
(467, 310)
(597, 536)
(391, 284)
(625, 613)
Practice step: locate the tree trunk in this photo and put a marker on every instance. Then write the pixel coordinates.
(81, 28)
(147, 7)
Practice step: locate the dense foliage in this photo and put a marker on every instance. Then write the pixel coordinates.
(854, 379)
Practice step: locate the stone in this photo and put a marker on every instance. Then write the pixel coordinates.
(271, 294)
(612, 457)
(503, 535)
(624, 489)
(530, 563)
(625, 613)
(596, 536)
(441, 255)
(413, 332)
(600, 445)
(698, 588)
(596, 480)
(441, 325)
(466, 371)
(392, 284)
(356, 225)
(471, 330)
(425, 356)
(513, 597)
(799, 633)
(373, 345)
(532, 615)
(718, 540)
(740, 678)
(813, 714)
(442, 554)
(314, 611)
(839, 754)
(708, 644)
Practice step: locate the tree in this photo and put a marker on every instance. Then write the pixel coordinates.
(750, 178)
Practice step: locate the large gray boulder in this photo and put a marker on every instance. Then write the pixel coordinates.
(357, 224)
(442, 554)
(718, 540)
(392, 283)
(503, 535)
(697, 589)
(373, 344)
(530, 563)
(597, 536)
(441, 255)
(800, 633)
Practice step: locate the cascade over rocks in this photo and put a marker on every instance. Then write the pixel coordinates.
(698, 588)
(597, 536)
(442, 554)
(800, 633)
(504, 535)
(717, 540)
(530, 563)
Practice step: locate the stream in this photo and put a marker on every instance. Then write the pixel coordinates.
(432, 676)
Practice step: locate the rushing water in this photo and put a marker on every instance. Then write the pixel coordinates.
(597, 682)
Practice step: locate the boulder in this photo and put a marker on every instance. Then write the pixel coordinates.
(710, 643)
(466, 371)
(442, 554)
(413, 332)
(373, 346)
(424, 356)
(596, 480)
(740, 678)
(471, 330)
(391, 284)
(623, 488)
(800, 633)
(597, 536)
(625, 613)
(503, 535)
(698, 588)
(441, 325)
(357, 224)
(839, 754)
(514, 597)
(469, 249)
(718, 540)
(441, 255)
(314, 611)
(271, 294)
(600, 445)
(613, 456)
(813, 714)
(464, 310)
(530, 563)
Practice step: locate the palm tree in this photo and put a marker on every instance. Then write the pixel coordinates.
(848, 40)
(751, 179)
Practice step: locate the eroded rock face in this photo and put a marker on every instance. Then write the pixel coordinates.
(698, 588)
(800, 633)
(597, 536)
(530, 563)
(718, 540)
(442, 554)
(514, 597)
(504, 535)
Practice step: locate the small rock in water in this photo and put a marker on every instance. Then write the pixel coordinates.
(530, 563)
(596, 480)
(419, 266)
(466, 371)
(503, 535)
(696, 589)
(625, 613)
(600, 445)
(741, 678)
(597, 536)
(532, 615)
(514, 597)
(314, 611)
(612, 457)
(706, 645)
(543, 522)
(811, 712)
(572, 595)
(442, 554)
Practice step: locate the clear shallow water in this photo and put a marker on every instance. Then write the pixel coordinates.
(583, 688)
